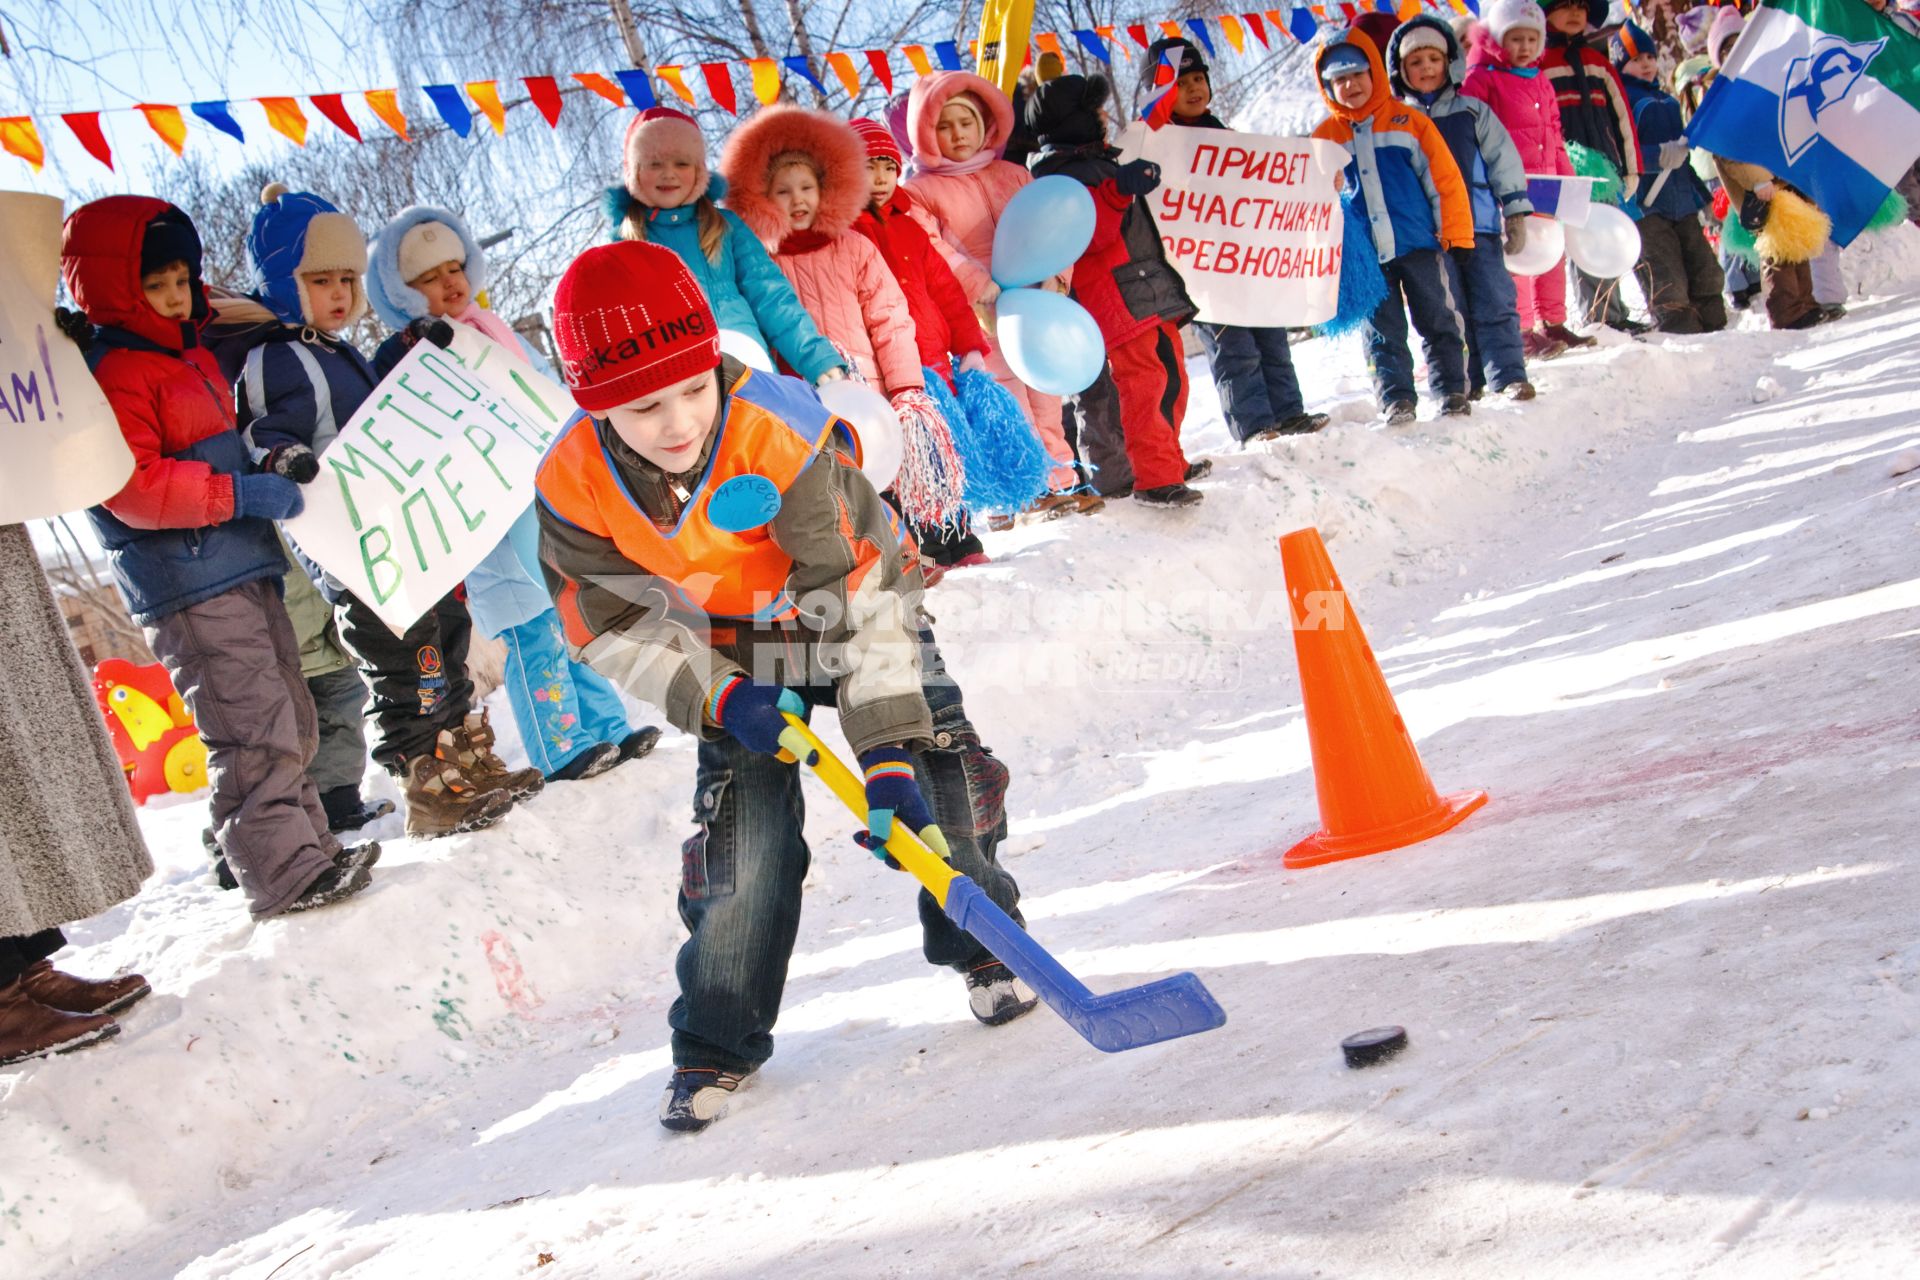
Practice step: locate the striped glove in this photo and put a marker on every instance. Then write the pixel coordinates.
(892, 792)
(752, 714)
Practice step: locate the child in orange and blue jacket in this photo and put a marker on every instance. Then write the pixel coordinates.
(1410, 196)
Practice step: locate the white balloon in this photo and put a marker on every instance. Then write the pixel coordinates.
(745, 350)
(874, 421)
(1545, 243)
(1608, 246)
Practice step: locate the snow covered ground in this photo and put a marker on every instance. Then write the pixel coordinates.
(1663, 992)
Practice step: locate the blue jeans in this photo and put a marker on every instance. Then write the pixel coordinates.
(741, 874)
(1253, 369)
(561, 706)
(1421, 284)
(1494, 353)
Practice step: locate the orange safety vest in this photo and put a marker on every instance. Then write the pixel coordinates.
(773, 429)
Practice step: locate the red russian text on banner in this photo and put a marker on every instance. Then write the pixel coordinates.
(719, 78)
(545, 93)
(287, 119)
(671, 74)
(1230, 28)
(916, 55)
(335, 110)
(165, 121)
(385, 104)
(486, 96)
(86, 127)
(19, 137)
(843, 67)
(601, 85)
(882, 69)
(766, 80)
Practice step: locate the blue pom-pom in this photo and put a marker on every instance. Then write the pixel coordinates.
(1006, 465)
(1362, 286)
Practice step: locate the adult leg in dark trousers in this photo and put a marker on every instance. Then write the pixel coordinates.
(1101, 441)
(418, 680)
(236, 663)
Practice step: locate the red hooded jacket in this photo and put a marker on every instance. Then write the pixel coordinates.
(944, 323)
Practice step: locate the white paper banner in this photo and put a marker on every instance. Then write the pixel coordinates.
(429, 474)
(60, 445)
(1252, 223)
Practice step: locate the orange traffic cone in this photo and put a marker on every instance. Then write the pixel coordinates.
(1374, 792)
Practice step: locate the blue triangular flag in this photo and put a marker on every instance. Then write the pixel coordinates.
(447, 101)
(1301, 23)
(1095, 45)
(800, 65)
(949, 54)
(217, 115)
(639, 87)
(1199, 29)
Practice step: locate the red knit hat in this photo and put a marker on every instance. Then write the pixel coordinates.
(629, 319)
(880, 142)
(661, 132)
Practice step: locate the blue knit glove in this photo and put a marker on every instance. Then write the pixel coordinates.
(267, 497)
(752, 714)
(1137, 178)
(892, 792)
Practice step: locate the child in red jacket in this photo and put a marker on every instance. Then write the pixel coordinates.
(193, 549)
(1141, 326)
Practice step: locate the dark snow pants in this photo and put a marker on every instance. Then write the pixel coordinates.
(418, 680)
(1680, 276)
(23, 951)
(1486, 290)
(1419, 284)
(340, 698)
(1092, 424)
(236, 664)
(1253, 370)
(1789, 288)
(741, 874)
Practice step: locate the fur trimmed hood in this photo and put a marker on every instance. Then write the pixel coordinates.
(393, 299)
(296, 232)
(830, 142)
(930, 93)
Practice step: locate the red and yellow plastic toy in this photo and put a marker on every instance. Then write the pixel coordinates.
(153, 734)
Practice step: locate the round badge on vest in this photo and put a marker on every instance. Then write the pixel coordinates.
(743, 503)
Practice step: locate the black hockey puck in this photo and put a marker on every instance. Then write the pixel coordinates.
(1370, 1048)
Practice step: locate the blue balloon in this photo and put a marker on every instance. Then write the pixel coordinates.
(1050, 341)
(1043, 230)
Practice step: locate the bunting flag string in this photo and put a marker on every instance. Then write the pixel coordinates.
(1301, 22)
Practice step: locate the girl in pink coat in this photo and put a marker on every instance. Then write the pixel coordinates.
(959, 124)
(1505, 74)
(798, 179)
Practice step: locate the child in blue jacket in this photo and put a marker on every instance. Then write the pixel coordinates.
(1677, 270)
(299, 381)
(427, 267)
(669, 198)
(1427, 67)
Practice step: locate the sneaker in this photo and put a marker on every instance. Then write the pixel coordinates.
(1200, 468)
(443, 801)
(996, 995)
(1522, 390)
(1457, 405)
(971, 560)
(1168, 495)
(346, 811)
(1538, 346)
(1399, 413)
(473, 751)
(352, 871)
(696, 1097)
(639, 743)
(1566, 337)
(591, 763)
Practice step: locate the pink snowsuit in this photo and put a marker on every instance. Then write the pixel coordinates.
(1527, 106)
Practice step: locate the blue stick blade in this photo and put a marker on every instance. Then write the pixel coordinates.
(1163, 1010)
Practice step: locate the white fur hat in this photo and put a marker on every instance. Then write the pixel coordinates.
(425, 246)
(1503, 16)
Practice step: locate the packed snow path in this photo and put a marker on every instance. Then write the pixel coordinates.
(1663, 992)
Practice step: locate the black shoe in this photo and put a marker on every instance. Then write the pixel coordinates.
(1301, 424)
(1478, 393)
(1168, 495)
(1399, 413)
(696, 1097)
(1199, 469)
(1832, 312)
(591, 763)
(996, 995)
(224, 873)
(1457, 405)
(1633, 328)
(1806, 321)
(346, 811)
(351, 872)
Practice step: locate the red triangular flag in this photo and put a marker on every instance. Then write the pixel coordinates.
(330, 106)
(882, 69)
(86, 127)
(1139, 33)
(545, 93)
(1258, 28)
(719, 77)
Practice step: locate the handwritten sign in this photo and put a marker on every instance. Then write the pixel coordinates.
(1252, 223)
(430, 474)
(60, 445)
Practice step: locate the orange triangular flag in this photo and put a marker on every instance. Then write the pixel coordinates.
(385, 103)
(285, 115)
(766, 80)
(1172, 29)
(165, 121)
(601, 85)
(18, 137)
(671, 75)
(917, 59)
(1106, 33)
(843, 67)
(1237, 38)
(486, 96)
(1049, 42)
